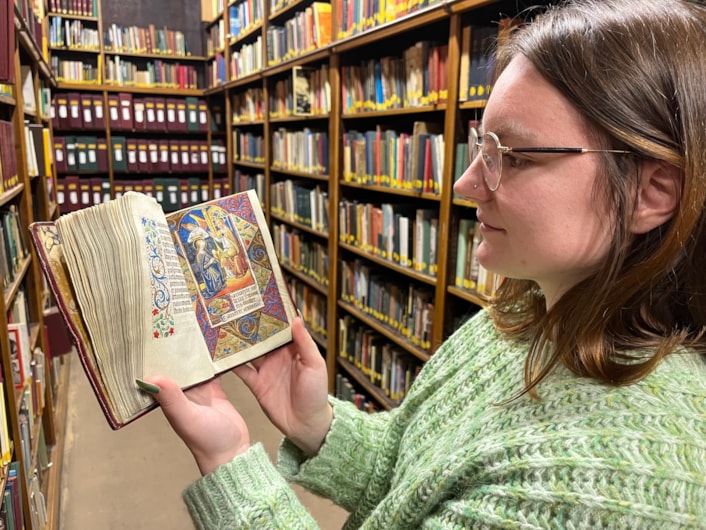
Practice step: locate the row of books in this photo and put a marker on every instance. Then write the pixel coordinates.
(11, 513)
(303, 33)
(305, 151)
(210, 9)
(74, 110)
(470, 274)
(13, 247)
(245, 61)
(356, 16)
(38, 156)
(137, 155)
(215, 38)
(73, 34)
(24, 366)
(418, 78)
(75, 193)
(155, 73)
(243, 180)
(248, 147)
(279, 5)
(7, 42)
(476, 65)
(405, 308)
(8, 157)
(30, 12)
(5, 444)
(38, 150)
(301, 203)
(18, 332)
(244, 17)
(34, 102)
(150, 40)
(301, 253)
(347, 391)
(248, 106)
(385, 365)
(400, 233)
(411, 162)
(307, 92)
(77, 71)
(84, 8)
(409, 238)
(216, 69)
(31, 407)
(311, 305)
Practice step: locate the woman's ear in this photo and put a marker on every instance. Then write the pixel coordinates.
(658, 196)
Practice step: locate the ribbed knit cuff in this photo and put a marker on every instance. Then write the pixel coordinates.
(341, 469)
(248, 492)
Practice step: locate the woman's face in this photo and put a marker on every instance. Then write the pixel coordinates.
(544, 222)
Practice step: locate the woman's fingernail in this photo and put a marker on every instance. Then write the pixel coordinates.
(147, 387)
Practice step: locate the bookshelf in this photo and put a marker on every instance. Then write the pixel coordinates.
(340, 166)
(133, 85)
(34, 374)
(391, 163)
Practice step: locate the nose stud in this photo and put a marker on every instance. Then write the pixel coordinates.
(475, 186)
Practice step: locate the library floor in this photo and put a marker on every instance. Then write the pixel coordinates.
(132, 478)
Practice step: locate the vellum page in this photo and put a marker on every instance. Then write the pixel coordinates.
(133, 297)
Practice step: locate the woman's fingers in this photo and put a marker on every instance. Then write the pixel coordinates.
(306, 347)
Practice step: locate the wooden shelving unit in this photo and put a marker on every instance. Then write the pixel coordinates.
(33, 197)
(441, 23)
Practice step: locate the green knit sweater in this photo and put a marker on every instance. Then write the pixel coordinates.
(585, 456)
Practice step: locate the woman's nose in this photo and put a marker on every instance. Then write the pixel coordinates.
(471, 184)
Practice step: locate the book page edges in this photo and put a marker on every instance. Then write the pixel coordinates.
(46, 242)
(49, 253)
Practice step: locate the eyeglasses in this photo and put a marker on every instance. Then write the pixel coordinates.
(492, 152)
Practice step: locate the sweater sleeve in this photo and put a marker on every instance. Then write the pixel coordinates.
(248, 492)
(353, 464)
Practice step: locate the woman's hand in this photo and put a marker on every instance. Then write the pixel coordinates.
(205, 420)
(291, 385)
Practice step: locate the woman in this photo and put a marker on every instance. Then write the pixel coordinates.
(578, 399)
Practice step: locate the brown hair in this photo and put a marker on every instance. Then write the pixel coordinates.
(636, 71)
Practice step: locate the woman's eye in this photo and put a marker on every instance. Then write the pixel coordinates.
(516, 162)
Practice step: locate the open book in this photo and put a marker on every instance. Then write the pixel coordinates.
(188, 295)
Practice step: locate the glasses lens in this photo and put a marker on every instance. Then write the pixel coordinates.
(492, 160)
(472, 145)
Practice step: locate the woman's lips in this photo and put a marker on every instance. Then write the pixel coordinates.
(484, 225)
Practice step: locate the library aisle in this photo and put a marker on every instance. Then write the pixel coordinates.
(132, 478)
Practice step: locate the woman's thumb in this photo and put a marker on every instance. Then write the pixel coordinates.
(166, 392)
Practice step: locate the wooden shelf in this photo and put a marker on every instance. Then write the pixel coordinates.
(30, 200)
(368, 386)
(51, 485)
(299, 226)
(76, 17)
(162, 56)
(386, 330)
